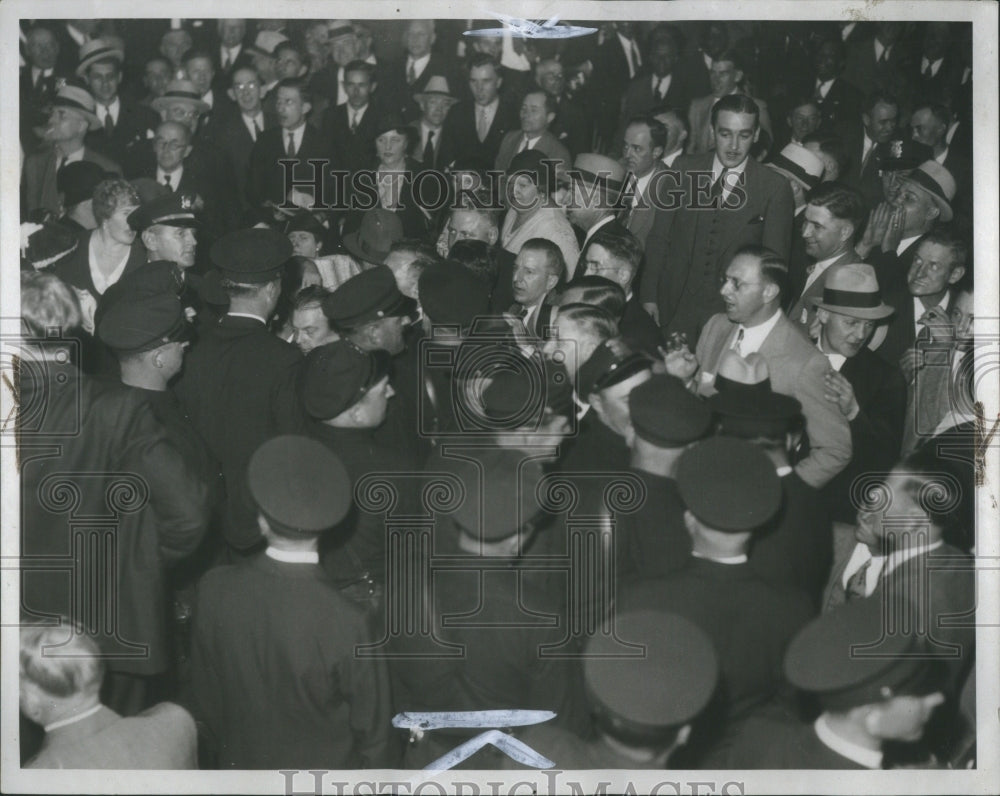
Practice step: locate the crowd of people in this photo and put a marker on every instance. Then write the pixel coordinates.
(369, 368)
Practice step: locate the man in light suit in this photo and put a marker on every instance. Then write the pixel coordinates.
(538, 111)
(753, 322)
(645, 141)
(62, 693)
(73, 114)
(726, 76)
(726, 200)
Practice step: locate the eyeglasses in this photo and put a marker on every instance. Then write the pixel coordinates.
(734, 283)
(246, 85)
(170, 146)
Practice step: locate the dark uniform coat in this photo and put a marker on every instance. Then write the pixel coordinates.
(653, 540)
(238, 388)
(276, 682)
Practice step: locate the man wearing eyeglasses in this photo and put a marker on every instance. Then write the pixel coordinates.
(753, 323)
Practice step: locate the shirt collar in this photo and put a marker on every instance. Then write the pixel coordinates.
(754, 336)
(731, 560)
(942, 157)
(859, 557)
(175, 175)
(869, 758)
(934, 65)
(668, 160)
(418, 64)
(73, 719)
(880, 48)
(247, 315)
(114, 109)
(717, 169)
(898, 557)
(293, 556)
(297, 134)
(836, 360)
(919, 309)
(823, 86)
(904, 244)
(785, 469)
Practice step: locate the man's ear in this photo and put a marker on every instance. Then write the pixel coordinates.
(690, 523)
(306, 107)
(147, 236)
(770, 291)
(493, 235)
(231, 94)
(956, 274)
(187, 151)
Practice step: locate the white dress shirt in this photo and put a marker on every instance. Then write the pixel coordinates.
(862, 755)
(249, 121)
(919, 309)
(818, 269)
(175, 177)
(114, 109)
(934, 65)
(730, 182)
(418, 64)
(293, 556)
(754, 336)
(824, 87)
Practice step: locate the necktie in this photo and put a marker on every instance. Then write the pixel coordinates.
(354, 122)
(483, 127)
(867, 159)
(883, 57)
(928, 72)
(411, 74)
(109, 123)
(256, 130)
(60, 163)
(226, 59)
(429, 149)
(661, 88)
(636, 60)
(738, 342)
(524, 144)
(715, 194)
(166, 181)
(857, 583)
(290, 149)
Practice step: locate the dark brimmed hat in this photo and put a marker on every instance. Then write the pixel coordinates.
(379, 229)
(665, 687)
(304, 221)
(437, 86)
(531, 162)
(251, 256)
(155, 278)
(611, 363)
(852, 289)
(848, 660)
(392, 121)
(452, 295)
(97, 50)
(936, 181)
(136, 326)
(170, 210)
(753, 413)
(299, 484)
(78, 99)
(665, 413)
(337, 375)
(77, 181)
(45, 243)
(729, 484)
(369, 296)
(180, 91)
(901, 154)
(590, 168)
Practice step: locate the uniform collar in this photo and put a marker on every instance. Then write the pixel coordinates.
(293, 556)
(868, 758)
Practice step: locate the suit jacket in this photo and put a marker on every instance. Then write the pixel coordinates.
(701, 138)
(862, 69)
(689, 247)
(461, 121)
(39, 177)
(640, 98)
(135, 122)
(639, 329)
(36, 104)
(272, 692)
(639, 219)
(399, 94)
(97, 453)
(796, 368)
(355, 150)
(941, 87)
(901, 332)
(876, 432)
(163, 737)
(841, 105)
(266, 180)
(547, 144)
(231, 135)
(238, 389)
(891, 269)
(573, 126)
(961, 169)
(802, 311)
(441, 148)
(866, 180)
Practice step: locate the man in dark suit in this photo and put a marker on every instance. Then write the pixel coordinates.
(938, 263)
(478, 127)
(122, 122)
(728, 201)
(879, 57)
(877, 125)
(839, 101)
(293, 139)
(869, 392)
(717, 589)
(435, 100)
(596, 183)
(930, 122)
(200, 70)
(229, 52)
(572, 125)
(832, 221)
(350, 126)
(937, 73)
(39, 80)
(410, 75)
(617, 61)
(617, 257)
(258, 398)
(268, 626)
(482, 223)
(644, 144)
(538, 111)
(73, 114)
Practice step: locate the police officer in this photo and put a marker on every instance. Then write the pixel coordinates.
(275, 678)
(238, 384)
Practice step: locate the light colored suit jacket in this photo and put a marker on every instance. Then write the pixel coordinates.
(803, 310)
(640, 218)
(40, 177)
(163, 737)
(547, 144)
(796, 368)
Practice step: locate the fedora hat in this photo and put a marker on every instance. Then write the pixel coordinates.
(852, 289)
(590, 168)
(799, 164)
(266, 42)
(437, 86)
(935, 180)
(379, 229)
(97, 50)
(78, 99)
(180, 91)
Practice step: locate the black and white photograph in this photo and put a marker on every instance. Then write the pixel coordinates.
(579, 398)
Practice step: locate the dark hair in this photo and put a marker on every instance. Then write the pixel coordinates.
(289, 45)
(680, 115)
(732, 56)
(414, 246)
(944, 235)
(843, 202)
(938, 110)
(478, 256)
(296, 83)
(596, 291)
(945, 489)
(879, 95)
(360, 66)
(736, 103)
(481, 202)
(554, 260)
(832, 145)
(657, 130)
(482, 59)
(772, 267)
(291, 283)
(242, 68)
(592, 319)
(623, 247)
(664, 31)
(196, 52)
(309, 295)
